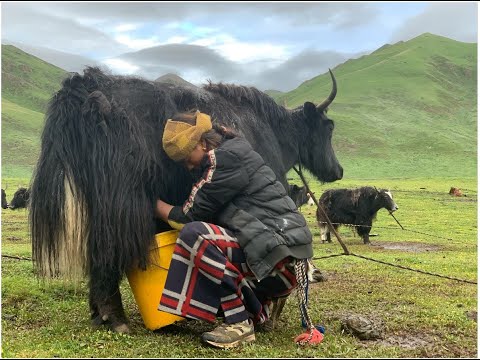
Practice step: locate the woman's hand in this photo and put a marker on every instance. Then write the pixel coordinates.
(162, 210)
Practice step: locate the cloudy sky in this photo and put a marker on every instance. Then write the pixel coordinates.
(270, 45)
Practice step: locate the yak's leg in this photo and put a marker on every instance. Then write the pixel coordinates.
(314, 275)
(106, 301)
(325, 233)
(364, 231)
(276, 309)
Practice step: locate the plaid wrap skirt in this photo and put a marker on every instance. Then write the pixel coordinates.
(209, 277)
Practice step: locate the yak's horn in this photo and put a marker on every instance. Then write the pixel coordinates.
(332, 95)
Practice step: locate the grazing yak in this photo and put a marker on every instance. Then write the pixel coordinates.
(357, 207)
(20, 199)
(4, 200)
(102, 168)
(299, 194)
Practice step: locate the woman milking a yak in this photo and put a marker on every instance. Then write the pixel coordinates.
(242, 241)
(105, 180)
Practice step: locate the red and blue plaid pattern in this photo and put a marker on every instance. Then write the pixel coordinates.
(208, 276)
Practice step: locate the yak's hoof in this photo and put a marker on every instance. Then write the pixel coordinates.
(97, 321)
(121, 328)
(318, 276)
(267, 326)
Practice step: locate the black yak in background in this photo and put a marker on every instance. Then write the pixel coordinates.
(357, 207)
(20, 199)
(298, 194)
(102, 167)
(4, 200)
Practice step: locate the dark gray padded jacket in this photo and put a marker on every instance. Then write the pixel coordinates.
(238, 191)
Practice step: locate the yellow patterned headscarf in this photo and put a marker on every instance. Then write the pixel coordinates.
(180, 138)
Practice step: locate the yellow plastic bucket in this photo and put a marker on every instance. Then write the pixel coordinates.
(147, 286)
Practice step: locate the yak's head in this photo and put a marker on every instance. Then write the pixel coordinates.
(384, 198)
(20, 199)
(298, 194)
(315, 142)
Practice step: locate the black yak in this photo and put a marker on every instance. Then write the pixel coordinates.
(299, 194)
(102, 167)
(20, 199)
(357, 207)
(4, 200)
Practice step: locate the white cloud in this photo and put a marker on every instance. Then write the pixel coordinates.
(137, 44)
(458, 21)
(125, 27)
(204, 42)
(243, 52)
(175, 40)
(120, 66)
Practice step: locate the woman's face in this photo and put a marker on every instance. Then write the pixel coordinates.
(196, 156)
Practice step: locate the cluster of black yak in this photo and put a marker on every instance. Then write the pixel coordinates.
(102, 167)
(20, 199)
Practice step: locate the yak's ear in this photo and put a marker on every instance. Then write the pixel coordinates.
(309, 109)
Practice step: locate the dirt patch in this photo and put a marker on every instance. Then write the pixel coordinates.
(460, 199)
(471, 315)
(14, 238)
(407, 246)
(408, 341)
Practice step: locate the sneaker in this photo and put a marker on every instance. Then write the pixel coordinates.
(230, 335)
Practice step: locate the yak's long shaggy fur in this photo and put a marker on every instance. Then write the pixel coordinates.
(102, 167)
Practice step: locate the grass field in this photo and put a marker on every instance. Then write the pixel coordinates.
(405, 118)
(424, 315)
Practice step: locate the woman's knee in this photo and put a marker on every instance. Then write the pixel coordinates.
(192, 230)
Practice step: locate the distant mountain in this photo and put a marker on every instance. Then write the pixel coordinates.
(173, 79)
(274, 93)
(67, 61)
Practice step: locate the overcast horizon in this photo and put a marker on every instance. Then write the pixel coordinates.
(270, 45)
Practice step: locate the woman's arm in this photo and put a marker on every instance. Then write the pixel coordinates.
(162, 210)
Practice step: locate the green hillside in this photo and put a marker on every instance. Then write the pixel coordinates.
(405, 110)
(27, 80)
(27, 85)
(274, 93)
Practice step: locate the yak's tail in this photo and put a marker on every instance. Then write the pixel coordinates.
(92, 194)
(58, 213)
